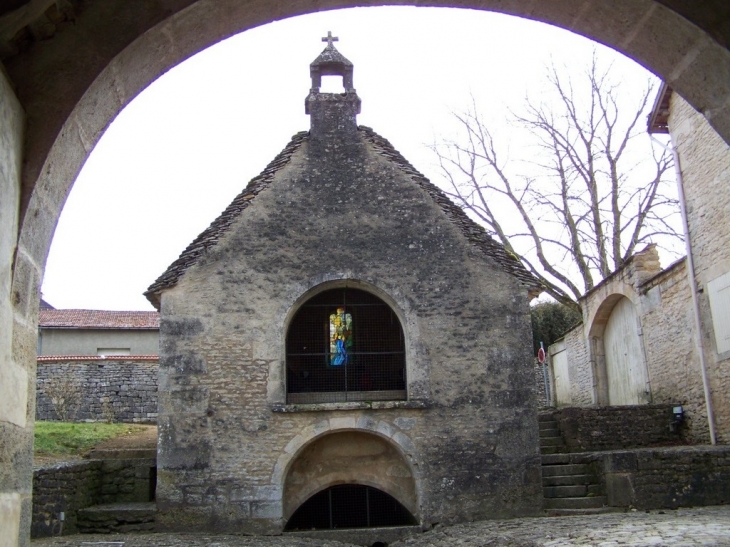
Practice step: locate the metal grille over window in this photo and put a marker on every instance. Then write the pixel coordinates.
(345, 345)
(350, 506)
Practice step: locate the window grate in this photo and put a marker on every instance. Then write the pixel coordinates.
(350, 506)
(345, 345)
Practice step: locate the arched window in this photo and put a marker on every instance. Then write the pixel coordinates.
(345, 345)
(350, 506)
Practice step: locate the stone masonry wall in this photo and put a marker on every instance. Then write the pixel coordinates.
(617, 427)
(468, 430)
(666, 478)
(579, 367)
(65, 487)
(671, 351)
(663, 303)
(705, 164)
(120, 390)
(69, 487)
(539, 383)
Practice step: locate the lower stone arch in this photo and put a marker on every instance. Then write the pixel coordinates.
(341, 451)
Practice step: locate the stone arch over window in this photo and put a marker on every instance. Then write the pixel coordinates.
(617, 353)
(344, 343)
(349, 457)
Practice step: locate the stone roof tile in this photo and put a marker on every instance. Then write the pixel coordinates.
(475, 233)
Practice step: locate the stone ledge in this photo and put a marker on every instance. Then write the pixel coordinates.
(353, 405)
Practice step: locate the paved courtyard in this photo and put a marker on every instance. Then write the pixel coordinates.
(683, 527)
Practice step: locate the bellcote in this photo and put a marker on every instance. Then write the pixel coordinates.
(332, 115)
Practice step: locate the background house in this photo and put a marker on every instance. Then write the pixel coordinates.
(97, 365)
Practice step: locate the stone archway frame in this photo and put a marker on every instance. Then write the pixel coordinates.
(417, 367)
(597, 321)
(69, 116)
(695, 66)
(362, 424)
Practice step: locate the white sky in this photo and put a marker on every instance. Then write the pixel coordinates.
(179, 153)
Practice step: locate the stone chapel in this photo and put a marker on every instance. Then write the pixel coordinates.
(343, 347)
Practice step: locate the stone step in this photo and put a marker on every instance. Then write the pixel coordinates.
(590, 511)
(548, 417)
(551, 441)
(589, 502)
(554, 459)
(567, 491)
(123, 454)
(549, 426)
(549, 450)
(572, 457)
(572, 491)
(565, 469)
(568, 480)
(117, 518)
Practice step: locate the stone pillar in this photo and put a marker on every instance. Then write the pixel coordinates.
(16, 375)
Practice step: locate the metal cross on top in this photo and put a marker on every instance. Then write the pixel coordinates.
(329, 38)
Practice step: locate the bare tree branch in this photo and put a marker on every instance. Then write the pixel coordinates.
(586, 192)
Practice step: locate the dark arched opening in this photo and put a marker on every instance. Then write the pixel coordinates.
(345, 345)
(350, 506)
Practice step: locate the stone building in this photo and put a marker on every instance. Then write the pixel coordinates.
(97, 332)
(680, 340)
(704, 167)
(635, 345)
(343, 347)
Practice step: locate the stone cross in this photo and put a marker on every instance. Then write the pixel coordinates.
(329, 38)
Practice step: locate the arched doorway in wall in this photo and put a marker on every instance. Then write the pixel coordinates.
(618, 354)
(362, 474)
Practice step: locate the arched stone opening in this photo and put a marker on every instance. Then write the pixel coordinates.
(345, 344)
(109, 56)
(349, 457)
(690, 60)
(350, 506)
(617, 354)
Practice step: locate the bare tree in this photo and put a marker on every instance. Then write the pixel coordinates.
(590, 192)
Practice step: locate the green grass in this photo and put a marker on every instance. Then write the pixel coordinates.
(61, 438)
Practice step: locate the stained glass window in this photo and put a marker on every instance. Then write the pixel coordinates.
(340, 337)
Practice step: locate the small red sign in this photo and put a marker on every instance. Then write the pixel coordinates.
(541, 356)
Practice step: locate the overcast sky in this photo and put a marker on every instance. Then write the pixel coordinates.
(179, 153)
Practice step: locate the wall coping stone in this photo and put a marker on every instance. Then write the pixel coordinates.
(352, 405)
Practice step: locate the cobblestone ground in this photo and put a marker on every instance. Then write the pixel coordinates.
(706, 526)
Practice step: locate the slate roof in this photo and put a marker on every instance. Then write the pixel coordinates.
(475, 233)
(99, 319)
(330, 56)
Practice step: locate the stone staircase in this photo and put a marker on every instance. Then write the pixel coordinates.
(571, 483)
(551, 441)
(117, 518)
(127, 492)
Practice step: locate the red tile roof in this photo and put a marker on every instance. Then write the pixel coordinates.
(54, 358)
(99, 319)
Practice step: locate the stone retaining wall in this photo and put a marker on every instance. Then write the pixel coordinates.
(95, 389)
(662, 478)
(587, 429)
(69, 487)
(66, 488)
